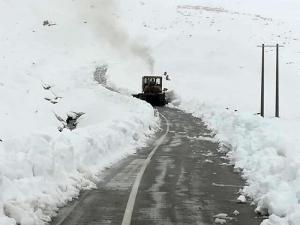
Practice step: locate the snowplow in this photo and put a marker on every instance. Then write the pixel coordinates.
(152, 91)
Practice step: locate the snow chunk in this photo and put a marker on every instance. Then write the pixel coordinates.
(208, 161)
(236, 213)
(221, 215)
(241, 199)
(220, 221)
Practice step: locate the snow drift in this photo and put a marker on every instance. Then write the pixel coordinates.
(41, 171)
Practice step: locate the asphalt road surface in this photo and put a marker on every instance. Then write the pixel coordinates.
(180, 178)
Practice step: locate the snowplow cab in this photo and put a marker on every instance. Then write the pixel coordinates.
(152, 91)
(152, 84)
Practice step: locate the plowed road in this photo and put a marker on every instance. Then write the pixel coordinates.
(179, 179)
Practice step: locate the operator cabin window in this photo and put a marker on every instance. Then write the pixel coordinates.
(158, 81)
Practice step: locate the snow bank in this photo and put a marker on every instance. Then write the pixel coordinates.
(41, 171)
(267, 153)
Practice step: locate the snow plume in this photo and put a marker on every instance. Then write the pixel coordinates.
(102, 14)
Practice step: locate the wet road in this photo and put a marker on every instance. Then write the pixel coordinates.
(186, 181)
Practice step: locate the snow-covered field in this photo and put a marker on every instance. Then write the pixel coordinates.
(209, 49)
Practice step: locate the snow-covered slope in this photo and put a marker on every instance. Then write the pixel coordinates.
(63, 55)
(49, 52)
(210, 49)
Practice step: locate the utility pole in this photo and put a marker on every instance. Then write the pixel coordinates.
(262, 92)
(277, 82)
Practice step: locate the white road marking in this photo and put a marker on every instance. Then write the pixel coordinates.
(125, 179)
(131, 201)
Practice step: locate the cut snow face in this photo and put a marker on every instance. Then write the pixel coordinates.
(43, 170)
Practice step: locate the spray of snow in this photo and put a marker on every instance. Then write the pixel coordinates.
(102, 15)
